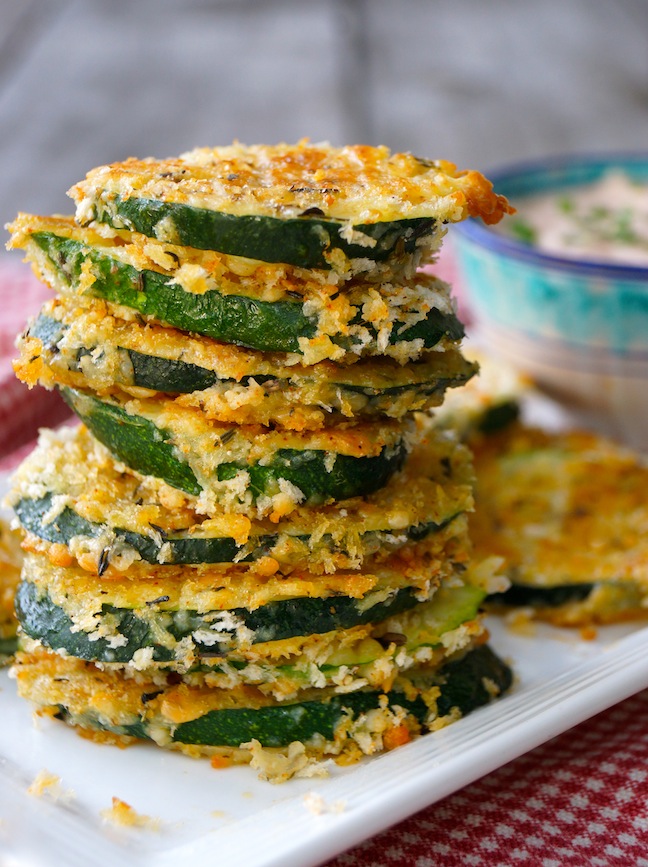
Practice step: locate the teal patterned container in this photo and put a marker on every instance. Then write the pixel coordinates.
(580, 328)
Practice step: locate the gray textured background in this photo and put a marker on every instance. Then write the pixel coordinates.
(480, 82)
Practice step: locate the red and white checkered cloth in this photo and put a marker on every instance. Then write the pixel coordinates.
(580, 800)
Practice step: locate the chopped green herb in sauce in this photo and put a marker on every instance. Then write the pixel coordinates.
(607, 220)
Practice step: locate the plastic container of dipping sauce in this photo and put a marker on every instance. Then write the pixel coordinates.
(560, 289)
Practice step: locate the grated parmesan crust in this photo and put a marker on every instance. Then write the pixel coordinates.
(565, 509)
(365, 319)
(355, 184)
(434, 487)
(94, 352)
(110, 703)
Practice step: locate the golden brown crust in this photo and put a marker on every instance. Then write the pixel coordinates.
(359, 183)
(364, 315)
(565, 508)
(435, 484)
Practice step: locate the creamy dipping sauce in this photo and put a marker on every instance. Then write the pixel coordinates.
(606, 220)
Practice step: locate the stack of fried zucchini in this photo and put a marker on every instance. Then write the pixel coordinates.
(255, 545)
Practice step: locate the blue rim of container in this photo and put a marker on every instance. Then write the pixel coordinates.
(584, 168)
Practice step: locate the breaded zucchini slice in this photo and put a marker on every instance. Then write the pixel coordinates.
(11, 557)
(311, 205)
(187, 290)
(567, 512)
(243, 724)
(348, 658)
(238, 466)
(178, 614)
(89, 347)
(74, 502)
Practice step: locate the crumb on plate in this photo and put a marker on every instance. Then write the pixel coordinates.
(46, 783)
(316, 804)
(124, 815)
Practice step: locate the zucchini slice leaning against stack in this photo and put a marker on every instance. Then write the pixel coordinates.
(255, 545)
(564, 510)
(567, 512)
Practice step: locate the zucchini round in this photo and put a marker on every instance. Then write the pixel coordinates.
(192, 454)
(554, 506)
(405, 632)
(307, 204)
(462, 688)
(176, 613)
(181, 714)
(301, 326)
(191, 547)
(135, 631)
(87, 347)
(306, 241)
(68, 492)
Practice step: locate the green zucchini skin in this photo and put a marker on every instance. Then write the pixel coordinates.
(180, 377)
(134, 440)
(8, 646)
(166, 374)
(301, 241)
(180, 548)
(229, 318)
(350, 477)
(281, 725)
(187, 549)
(461, 684)
(144, 447)
(149, 371)
(47, 622)
(267, 326)
(542, 597)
